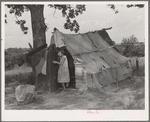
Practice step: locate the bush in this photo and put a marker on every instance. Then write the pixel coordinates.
(10, 79)
(26, 78)
(22, 78)
(133, 47)
(15, 56)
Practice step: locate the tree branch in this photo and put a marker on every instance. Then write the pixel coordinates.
(17, 17)
(107, 28)
(54, 13)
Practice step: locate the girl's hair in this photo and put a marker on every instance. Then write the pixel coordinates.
(61, 50)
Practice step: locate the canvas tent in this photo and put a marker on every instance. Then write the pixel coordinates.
(105, 65)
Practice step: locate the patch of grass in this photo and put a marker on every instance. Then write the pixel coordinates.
(38, 99)
(22, 75)
(26, 78)
(118, 104)
(140, 96)
(10, 79)
(136, 105)
(138, 83)
(9, 90)
(16, 71)
(21, 78)
(141, 70)
(10, 100)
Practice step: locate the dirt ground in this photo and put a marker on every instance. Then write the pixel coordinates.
(128, 95)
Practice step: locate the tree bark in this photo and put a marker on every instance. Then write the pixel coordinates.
(52, 69)
(39, 36)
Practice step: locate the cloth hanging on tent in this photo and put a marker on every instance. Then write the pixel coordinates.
(58, 37)
(44, 68)
(45, 63)
(39, 67)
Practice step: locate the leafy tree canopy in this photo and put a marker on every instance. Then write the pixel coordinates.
(68, 11)
(113, 7)
(132, 47)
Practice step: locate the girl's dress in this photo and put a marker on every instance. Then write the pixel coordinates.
(63, 72)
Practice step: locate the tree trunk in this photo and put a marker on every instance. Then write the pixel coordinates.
(38, 31)
(52, 69)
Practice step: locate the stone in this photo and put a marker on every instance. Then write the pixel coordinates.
(24, 94)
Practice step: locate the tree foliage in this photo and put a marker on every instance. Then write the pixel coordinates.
(68, 11)
(14, 56)
(18, 10)
(132, 47)
(113, 7)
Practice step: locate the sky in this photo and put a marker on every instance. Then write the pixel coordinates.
(129, 21)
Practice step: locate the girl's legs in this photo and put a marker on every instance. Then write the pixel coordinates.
(66, 85)
(63, 87)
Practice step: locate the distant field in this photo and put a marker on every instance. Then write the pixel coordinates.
(141, 70)
(21, 70)
(21, 74)
(141, 62)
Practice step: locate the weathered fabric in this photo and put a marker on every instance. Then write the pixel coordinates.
(45, 63)
(84, 86)
(63, 72)
(44, 68)
(39, 67)
(58, 39)
(104, 66)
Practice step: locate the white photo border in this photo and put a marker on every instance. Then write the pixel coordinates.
(75, 115)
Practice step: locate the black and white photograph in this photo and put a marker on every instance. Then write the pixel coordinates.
(74, 61)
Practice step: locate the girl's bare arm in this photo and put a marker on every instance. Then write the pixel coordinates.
(56, 62)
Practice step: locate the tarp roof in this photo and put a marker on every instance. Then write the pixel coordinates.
(84, 45)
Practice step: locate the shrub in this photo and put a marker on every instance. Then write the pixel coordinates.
(22, 78)
(10, 79)
(133, 47)
(15, 56)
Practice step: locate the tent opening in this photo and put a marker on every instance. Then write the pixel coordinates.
(71, 66)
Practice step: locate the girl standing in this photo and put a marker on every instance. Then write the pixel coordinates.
(63, 72)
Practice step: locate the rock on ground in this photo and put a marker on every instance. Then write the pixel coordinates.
(24, 94)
